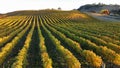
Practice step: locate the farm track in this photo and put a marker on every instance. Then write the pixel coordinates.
(34, 60)
(58, 61)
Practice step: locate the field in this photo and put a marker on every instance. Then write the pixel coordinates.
(58, 39)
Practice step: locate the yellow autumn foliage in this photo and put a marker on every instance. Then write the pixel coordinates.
(92, 58)
(76, 16)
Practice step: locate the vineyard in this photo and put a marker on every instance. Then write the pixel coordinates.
(58, 39)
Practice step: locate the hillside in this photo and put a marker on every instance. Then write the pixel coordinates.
(58, 39)
(2, 15)
(99, 7)
(30, 12)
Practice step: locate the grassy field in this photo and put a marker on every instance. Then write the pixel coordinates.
(58, 39)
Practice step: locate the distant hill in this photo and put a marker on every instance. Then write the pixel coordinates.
(99, 7)
(2, 15)
(30, 12)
